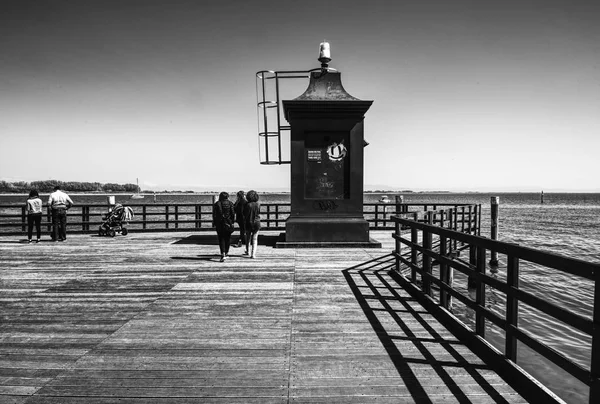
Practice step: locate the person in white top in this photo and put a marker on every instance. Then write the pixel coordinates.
(58, 204)
(34, 215)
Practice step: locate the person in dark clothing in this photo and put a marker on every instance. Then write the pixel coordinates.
(223, 219)
(238, 207)
(252, 218)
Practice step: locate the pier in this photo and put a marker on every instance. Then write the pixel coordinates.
(155, 318)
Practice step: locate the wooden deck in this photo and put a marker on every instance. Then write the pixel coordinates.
(155, 318)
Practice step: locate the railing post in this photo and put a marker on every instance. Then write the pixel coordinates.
(268, 215)
(512, 307)
(399, 204)
(495, 200)
(196, 216)
(384, 215)
(470, 229)
(426, 258)
(277, 215)
(595, 359)
(23, 219)
(49, 221)
(166, 216)
(398, 244)
(144, 217)
(473, 261)
(376, 215)
(176, 216)
(443, 272)
(480, 293)
(455, 228)
(479, 220)
(414, 239)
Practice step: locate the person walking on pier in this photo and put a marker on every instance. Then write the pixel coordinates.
(252, 217)
(223, 219)
(34, 215)
(238, 206)
(58, 204)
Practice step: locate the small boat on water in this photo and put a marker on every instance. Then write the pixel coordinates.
(137, 195)
(385, 199)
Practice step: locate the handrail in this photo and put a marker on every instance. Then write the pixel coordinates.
(86, 218)
(475, 269)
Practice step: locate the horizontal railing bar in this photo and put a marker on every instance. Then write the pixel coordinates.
(552, 354)
(573, 319)
(490, 315)
(566, 264)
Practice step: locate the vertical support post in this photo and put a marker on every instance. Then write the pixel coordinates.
(455, 228)
(23, 219)
(470, 229)
(479, 220)
(473, 261)
(49, 221)
(512, 307)
(494, 202)
(268, 215)
(443, 272)
(462, 218)
(144, 217)
(595, 360)
(480, 293)
(426, 258)
(398, 244)
(414, 239)
(376, 215)
(176, 216)
(197, 216)
(399, 204)
(277, 215)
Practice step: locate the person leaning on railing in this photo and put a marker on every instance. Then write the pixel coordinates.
(58, 204)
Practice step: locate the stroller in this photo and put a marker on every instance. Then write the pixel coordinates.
(115, 221)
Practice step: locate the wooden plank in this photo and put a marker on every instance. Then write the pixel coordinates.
(153, 318)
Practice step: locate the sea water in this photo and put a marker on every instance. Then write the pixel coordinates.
(565, 223)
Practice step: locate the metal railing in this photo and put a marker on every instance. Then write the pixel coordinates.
(198, 216)
(430, 246)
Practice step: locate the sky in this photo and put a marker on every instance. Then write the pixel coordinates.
(467, 95)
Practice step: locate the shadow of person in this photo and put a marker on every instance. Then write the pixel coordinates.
(211, 239)
(203, 257)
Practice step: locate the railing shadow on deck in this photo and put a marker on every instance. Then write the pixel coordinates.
(376, 270)
(421, 246)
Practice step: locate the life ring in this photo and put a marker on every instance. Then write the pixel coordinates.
(337, 152)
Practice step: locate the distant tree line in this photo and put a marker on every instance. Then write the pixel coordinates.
(69, 186)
